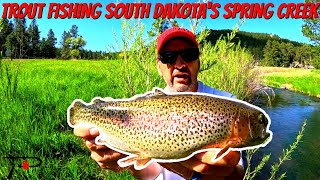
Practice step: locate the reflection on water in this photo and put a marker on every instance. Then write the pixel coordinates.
(287, 113)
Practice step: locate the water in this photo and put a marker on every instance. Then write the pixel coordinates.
(287, 113)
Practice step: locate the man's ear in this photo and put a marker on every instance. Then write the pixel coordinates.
(158, 67)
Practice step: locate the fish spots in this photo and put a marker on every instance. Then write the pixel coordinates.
(168, 125)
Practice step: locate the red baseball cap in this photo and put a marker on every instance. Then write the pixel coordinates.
(175, 32)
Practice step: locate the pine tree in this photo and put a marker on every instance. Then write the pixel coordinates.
(161, 24)
(7, 28)
(74, 31)
(311, 28)
(65, 45)
(34, 39)
(21, 36)
(51, 41)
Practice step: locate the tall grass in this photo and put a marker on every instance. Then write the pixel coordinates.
(9, 72)
(34, 122)
(231, 70)
(225, 65)
(300, 80)
(137, 59)
(286, 155)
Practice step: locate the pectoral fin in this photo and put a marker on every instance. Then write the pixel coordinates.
(221, 153)
(138, 161)
(101, 140)
(225, 150)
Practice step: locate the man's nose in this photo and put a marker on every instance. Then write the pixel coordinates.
(180, 63)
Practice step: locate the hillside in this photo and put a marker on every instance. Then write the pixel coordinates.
(255, 42)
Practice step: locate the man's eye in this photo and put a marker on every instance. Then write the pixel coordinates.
(168, 54)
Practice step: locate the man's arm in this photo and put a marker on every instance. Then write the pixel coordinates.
(107, 158)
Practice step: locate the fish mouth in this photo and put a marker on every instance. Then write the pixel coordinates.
(263, 133)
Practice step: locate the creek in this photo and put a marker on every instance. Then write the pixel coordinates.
(288, 110)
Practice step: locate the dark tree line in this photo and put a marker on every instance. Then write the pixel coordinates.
(283, 54)
(271, 50)
(17, 40)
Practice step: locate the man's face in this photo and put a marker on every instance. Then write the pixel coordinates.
(180, 76)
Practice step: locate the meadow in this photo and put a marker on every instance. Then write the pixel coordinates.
(305, 81)
(35, 95)
(33, 121)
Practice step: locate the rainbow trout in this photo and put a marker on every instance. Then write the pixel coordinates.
(172, 127)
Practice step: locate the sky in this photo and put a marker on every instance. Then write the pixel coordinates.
(99, 33)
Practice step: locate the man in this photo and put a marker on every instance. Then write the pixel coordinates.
(178, 63)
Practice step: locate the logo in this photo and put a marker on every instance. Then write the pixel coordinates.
(15, 162)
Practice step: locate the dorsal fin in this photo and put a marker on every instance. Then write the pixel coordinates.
(96, 101)
(159, 92)
(78, 104)
(156, 92)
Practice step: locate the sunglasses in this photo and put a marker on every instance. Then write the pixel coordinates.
(170, 57)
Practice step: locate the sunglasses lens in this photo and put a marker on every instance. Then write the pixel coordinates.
(168, 57)
(190, 54)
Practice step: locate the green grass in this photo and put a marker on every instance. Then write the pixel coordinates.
(34, 122)
(306, 81)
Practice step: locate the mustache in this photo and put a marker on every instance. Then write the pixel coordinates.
(183, 70)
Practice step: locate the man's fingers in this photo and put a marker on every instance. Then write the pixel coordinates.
(196, 165)
(106, 156)
(230, 159)
(111, 165)
(203, 168)
(178, 169)
(85, 132)
(81, 131)
(94, 147)
(94, 132)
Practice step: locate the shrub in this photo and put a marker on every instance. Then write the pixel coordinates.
(316, 62)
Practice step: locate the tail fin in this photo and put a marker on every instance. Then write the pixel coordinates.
(77, 105)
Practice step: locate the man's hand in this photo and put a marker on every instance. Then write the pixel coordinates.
(225, 168)
(107, 158)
